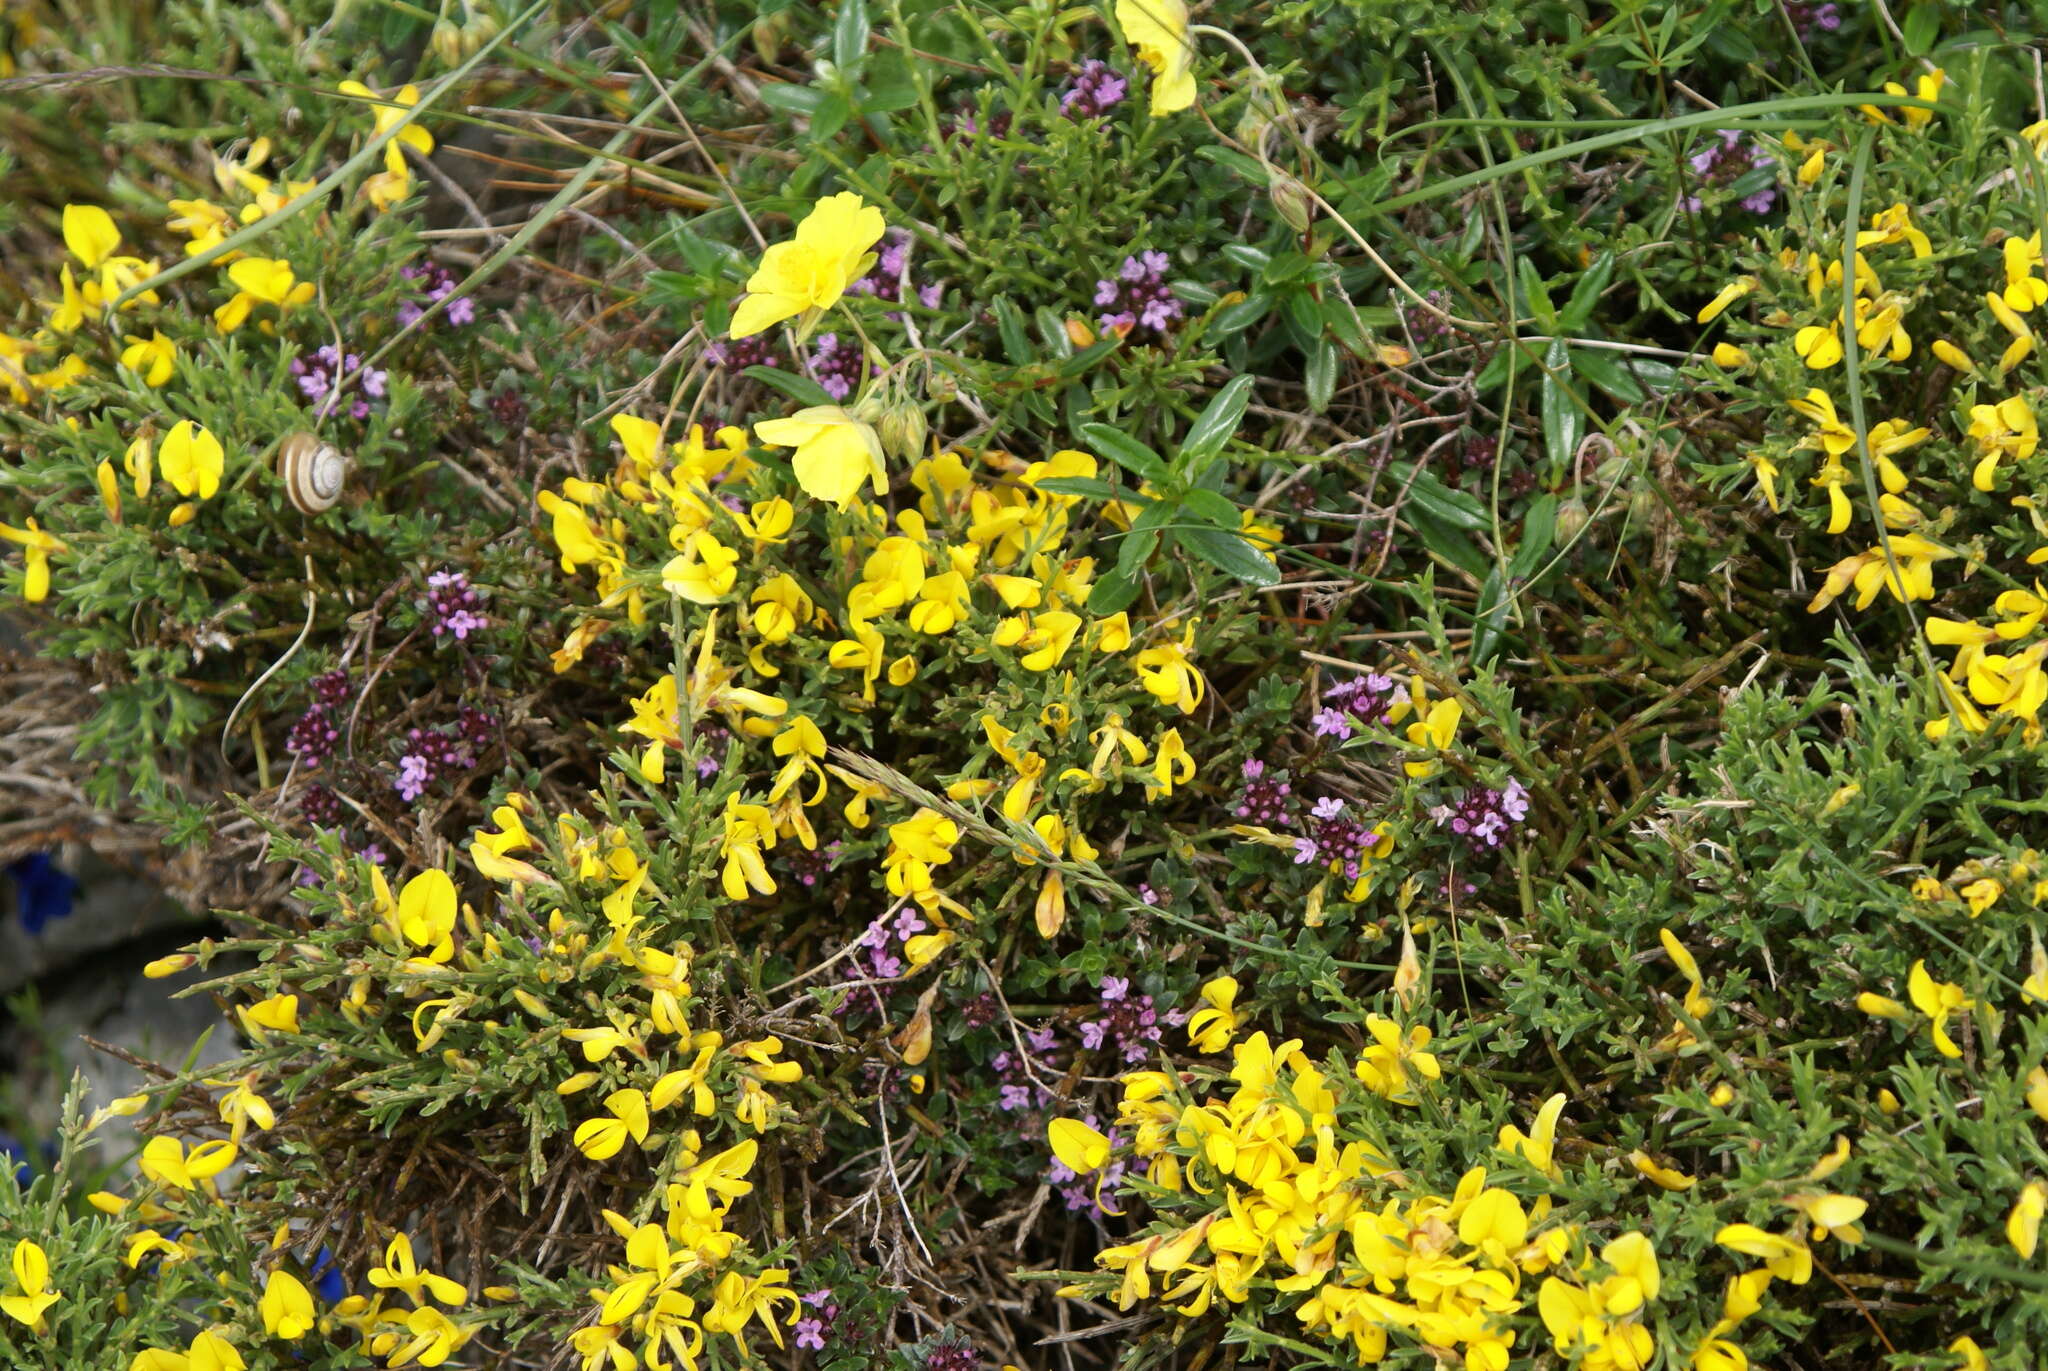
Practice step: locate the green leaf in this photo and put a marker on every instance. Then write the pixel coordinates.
(1564, 422)
(1216, 423)
(1922, 27)
(1229, 553)
(791, 98)
(1578, 310)
(1247, 256)
(1207, 504)
(1087, 357)
(1535, 294)
(1112, 592)
(850, 34)
(1445, 541)
(1491, 618)
(1451, 507)
(1539, 531)
(1126, 451)
(1087, 487)
(1628, 378)
(801, 389)
(1321, 375)
(1010, 326)
(830, 116)
(1240, 316)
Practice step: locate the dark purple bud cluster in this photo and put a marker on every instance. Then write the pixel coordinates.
(1137, 297)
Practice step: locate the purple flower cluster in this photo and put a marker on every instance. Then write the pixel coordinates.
(1423, 326)
(1096, 89)
(1362, 701)
(1023, 1074)
(1335, 838)
(1807, 17)
(877, 957)
(431, 753)
(1725, 160)
(820, 1312)
(321, 807)
(1265, 799)
(1138, 296)
(805, 866)
(948, 1351)
(434, 283)
(1129, 1025)
(319, 378)
(1482, 817)
(886, 278)
(318, 731)
(454, 606)
(837, 365)
(739, 354)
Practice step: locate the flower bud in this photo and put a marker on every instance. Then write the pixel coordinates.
(1572, 518)
(169, 966)
(480, 29)
(903, 429)
(447, 42)
(1290, 201)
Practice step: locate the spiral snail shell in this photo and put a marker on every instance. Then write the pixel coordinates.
(313, 472)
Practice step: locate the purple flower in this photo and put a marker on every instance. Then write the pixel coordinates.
(1114, 988)
(810, 1333)
(836, 366)
(434, 283)
(319, 381)
(1096, 89)
(1725, 160)
(452, 605)
(1014, 1098)
(414, 775)
(1330, 723)
(1138, 296)
(1329, 807)
(1483, 817)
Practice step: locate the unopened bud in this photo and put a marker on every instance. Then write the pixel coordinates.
(1290, 201)
(480, 29)
(903, 429)
(447, 42)
(1572, 518)
(170, 966)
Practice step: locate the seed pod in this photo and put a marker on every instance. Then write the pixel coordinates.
(313, 472)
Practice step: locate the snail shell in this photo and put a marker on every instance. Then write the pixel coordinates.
(313, 472)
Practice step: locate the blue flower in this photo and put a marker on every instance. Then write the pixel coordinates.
(43, 890)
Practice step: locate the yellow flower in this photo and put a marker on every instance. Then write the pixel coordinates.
(401, 1271)
(2004, 430)
(388, 113)
(1081, 1149)
(31, 1279)
(165, 1161)
(1210, 1029)
(192, 460)
(1158, 30)
(835, 452)
(2023, 1225)
(1537, 1147)
(1937, 1000)
(426, 914)
(1729, 294)
(1926, 87)
(260, 281)
(805, 276)
(36, 548)
(1433, 732)
(704, 572)
(152, 358)
(286, 1307)
(1169, 674)
(90, 234)
(737, 1299)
